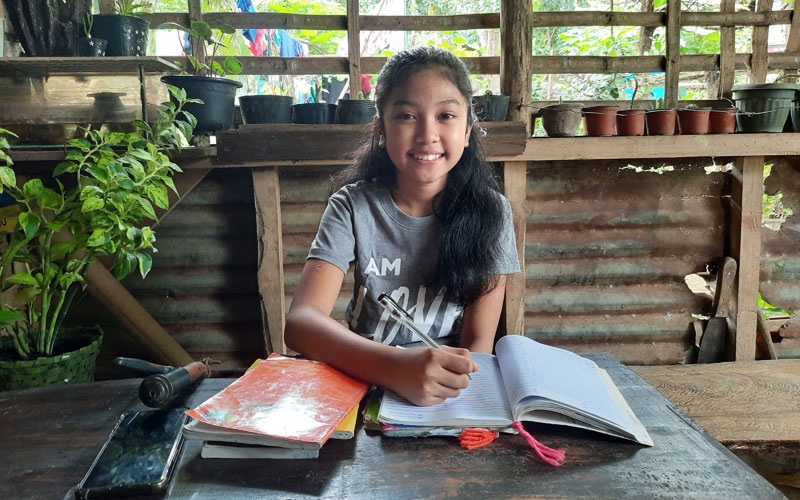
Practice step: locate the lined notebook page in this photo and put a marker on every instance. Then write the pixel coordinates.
(482, 403)
(534, 369)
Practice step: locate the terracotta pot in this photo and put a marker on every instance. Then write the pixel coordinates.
(693, 121)
(630, 122)
(722, 121)
(599, 121)
(561, 120)
(661, 122)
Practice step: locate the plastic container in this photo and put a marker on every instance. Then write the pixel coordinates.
(764, 107)
(266, 108)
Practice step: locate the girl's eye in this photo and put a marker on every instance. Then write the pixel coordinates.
(447, 116)
(406, 116)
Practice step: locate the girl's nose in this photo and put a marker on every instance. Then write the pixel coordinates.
(427, 132)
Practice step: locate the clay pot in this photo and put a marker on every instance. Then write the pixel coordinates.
(561, 120)
(630, 122)
(661, 122)
(693, 121)
(599, 121)
(722, 121)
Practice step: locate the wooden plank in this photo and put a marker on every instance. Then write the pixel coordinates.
(516, 40)
(750, 169)
(673, 54)
(281, 142)
(749, 406)
(514, 173)
(727, 56)
(353, 48)
(42, 66)
(270, 263)
(198, 46)
(483, 21)
(731, 19)
(793, 42)
(758, 68)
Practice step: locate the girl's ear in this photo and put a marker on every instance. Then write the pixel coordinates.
(466, 136)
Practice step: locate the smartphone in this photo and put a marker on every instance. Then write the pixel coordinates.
(138, 457)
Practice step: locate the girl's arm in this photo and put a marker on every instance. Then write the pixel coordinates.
(421, 375)
(479, 324)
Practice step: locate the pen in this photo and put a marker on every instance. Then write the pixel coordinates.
(404, 318)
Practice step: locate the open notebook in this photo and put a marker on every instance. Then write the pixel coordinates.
(532, 382)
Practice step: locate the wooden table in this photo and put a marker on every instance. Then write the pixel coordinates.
(50, 436)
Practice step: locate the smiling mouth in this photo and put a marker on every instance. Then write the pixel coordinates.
(427, 157)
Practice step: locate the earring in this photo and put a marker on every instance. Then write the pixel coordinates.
(381, 141)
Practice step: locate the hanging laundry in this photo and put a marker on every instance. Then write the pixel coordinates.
(253, 36)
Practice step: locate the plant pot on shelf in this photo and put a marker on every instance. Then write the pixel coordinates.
(266, 108)
(763, 107)
(126, 35)
(722, 121)
(92, 47)
(630, 122)
(490, 107)
(73, 364)
(661, 122)
(796, 115)
(599, 121)
(355, 111)
(693, 121)
(561, 120)
(217, 94)
(314, 112)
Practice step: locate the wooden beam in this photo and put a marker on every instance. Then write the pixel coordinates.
(514, 180)
(793, 42)
(758, 68)
(198, 46)
(673, 54)
(727, 53)
(746, 199)
(270, 263)
(516, 39)
(431, 23)
(353, 48)
(106, 6)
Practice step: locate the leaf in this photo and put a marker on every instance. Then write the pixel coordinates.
(98, 173)
(7, 316)
(23, 279)
(135, 235)
(124, 264)
(92, 204)
(202, 30)
(232, 65)
(145, 263)
(142, 125)
(67, 279)
(158, 195)
(30, 223)
(60, 249)
(98, 238)
(126, 184)
(90, 191)
(50, 199)
(64, 166)
(170, 184)
(33, 188)
(81, 144)
(147, 208)
(7, 177)
(141, 154)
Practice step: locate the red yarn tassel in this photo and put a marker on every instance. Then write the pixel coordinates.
(549, 455)
(475, 438)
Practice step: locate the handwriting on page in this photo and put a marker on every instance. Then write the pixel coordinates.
(484, 400)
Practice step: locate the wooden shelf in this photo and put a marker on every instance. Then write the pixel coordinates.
(46, 66)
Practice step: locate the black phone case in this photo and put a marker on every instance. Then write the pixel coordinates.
(136, 489)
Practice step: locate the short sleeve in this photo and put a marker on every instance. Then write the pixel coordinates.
(508, 261)
(335, 240)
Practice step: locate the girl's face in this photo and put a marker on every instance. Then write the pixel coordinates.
(425, 125)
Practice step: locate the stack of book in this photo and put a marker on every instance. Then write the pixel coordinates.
(281, 408)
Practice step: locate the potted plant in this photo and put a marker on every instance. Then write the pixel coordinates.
(660, 121)
(315, 110)
(693, 120)
(274, 107)
(126, 33)
(764, 107)
(355, 111)
(489, 107)
(722, 119)
(107, 184)
(88, 46)
(631, 121)
(204, 79)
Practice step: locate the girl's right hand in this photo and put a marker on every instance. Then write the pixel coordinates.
(427, 376)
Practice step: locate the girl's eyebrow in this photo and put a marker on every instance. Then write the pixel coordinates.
(403, 102)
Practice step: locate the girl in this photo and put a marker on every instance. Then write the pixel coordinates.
(420, 216)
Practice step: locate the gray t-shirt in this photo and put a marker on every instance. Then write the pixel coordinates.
(393, 253)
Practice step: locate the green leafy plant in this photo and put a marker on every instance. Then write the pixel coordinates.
(315, 95)
(130, 7)
(202, 62)
(105, 188)
(87, 24)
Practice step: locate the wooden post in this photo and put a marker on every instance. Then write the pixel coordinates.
(727, 53)
(746, 194)
(793, 41)
(270, 261)
(673, 76)
(353, 48)
(515, 189)
(196, 14)
(758, 65)
(516, 50)
(106, 6)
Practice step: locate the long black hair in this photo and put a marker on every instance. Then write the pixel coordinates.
(469, 209)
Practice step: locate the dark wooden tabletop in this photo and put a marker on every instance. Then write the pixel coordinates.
(51, 435)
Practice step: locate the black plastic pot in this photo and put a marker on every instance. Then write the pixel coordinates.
(217, 94)
(266, 108)
(314, 112)
(126, 35)
(92, 47)
(491, 108)
(355, 111)
(763, 107)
